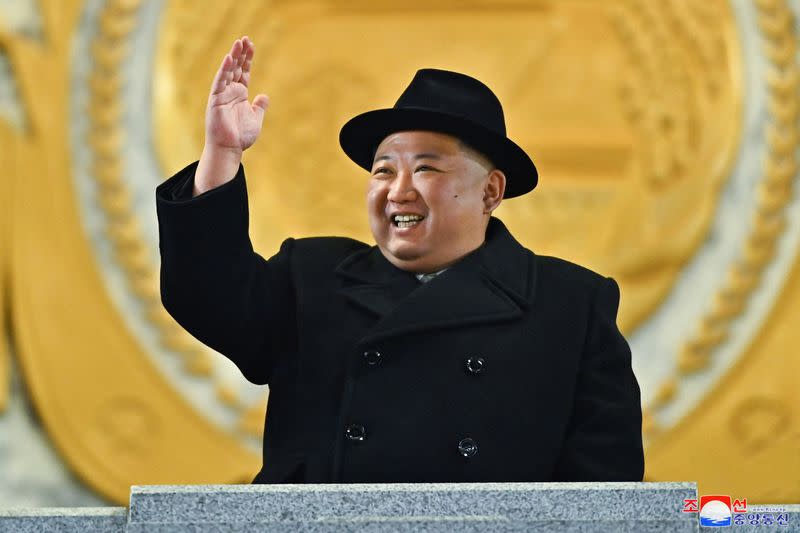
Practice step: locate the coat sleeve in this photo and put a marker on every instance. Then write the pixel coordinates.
(214, 284)
(604, 436)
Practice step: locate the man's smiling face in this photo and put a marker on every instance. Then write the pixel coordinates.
(443, 193)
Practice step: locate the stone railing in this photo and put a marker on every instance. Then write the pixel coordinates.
(436, 507)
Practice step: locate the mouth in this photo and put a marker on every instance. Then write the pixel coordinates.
(406, 221)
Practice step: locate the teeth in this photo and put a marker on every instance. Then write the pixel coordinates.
(407, 224)
(406, 218)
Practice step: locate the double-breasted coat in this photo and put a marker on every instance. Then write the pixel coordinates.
(508, 366)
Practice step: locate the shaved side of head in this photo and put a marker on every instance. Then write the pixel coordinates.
(476, 156)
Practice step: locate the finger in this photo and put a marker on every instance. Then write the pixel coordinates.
(242, 53)
(261, 101)
(236, 49)
(236, 55)
(259, 106)
(221, 78)
(248, 54)
(247, 65)
(240, 58)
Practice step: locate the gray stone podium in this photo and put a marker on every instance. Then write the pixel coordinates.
(446, 507)
(442, 507)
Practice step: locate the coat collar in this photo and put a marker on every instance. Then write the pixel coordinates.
(493, 283)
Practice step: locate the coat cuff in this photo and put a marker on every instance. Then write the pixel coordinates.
(219, 215)
(178, 188)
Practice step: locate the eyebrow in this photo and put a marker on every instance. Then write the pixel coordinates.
(424, 155)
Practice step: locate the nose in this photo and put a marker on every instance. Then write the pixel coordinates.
(402, 188)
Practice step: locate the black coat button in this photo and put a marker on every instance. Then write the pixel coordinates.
(467, 447)
(475, 365)
(373, 357)
(355, 432)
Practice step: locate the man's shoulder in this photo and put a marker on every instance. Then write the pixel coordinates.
(558, 269)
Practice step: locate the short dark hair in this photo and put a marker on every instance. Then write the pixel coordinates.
(466, 147)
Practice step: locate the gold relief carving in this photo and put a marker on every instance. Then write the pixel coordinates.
(757, 421)
(650, 425)
(183, 65)
(109, 50)
(76, 352)
(743, 437)
(6, 140)
(198, 361)
(624, 136)
(773, 193)
(776, 493)
(296, 150)
(5, 373)
(632, 168)
(227, 395)
(666, 392)
(252, 423)
(127, 428)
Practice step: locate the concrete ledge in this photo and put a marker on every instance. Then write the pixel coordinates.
(420, 507)
(412, 526)
(402, 507)
(64, 519)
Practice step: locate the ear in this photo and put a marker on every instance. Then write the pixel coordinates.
(493, 190)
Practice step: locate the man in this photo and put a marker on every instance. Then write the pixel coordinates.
(447, 352)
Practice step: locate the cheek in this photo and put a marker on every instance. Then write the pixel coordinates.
(456, 208)
(449, 200)
(376, 205)
(375, 195)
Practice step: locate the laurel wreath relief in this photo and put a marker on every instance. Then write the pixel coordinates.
(106, 134)
(774, 192)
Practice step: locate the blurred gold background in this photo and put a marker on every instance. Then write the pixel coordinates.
(666, 135)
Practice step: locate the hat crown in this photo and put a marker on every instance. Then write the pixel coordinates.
(455, 94)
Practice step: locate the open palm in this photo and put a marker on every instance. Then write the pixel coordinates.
(232, 122)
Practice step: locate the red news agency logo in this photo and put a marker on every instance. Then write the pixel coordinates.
(717, 510)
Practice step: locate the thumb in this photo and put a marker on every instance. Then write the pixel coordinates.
(260, 104)
(261, 101)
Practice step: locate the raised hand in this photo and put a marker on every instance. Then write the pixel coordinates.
(232, 122)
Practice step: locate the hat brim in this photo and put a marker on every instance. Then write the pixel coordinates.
(361, 135)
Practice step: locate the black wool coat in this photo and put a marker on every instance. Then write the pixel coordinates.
(508, 366)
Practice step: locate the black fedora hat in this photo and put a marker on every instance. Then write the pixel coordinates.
(445, 102)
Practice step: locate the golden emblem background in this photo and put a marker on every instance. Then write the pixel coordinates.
(648, 140)
(630, 109)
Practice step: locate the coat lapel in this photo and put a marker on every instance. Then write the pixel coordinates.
(494, 283)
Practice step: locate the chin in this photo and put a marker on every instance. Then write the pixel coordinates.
(406, 255)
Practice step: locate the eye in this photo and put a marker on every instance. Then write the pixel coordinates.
(381, 170)
(425, 168)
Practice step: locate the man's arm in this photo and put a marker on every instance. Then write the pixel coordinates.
(215, 285)
(604, 436)
(212, 282)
